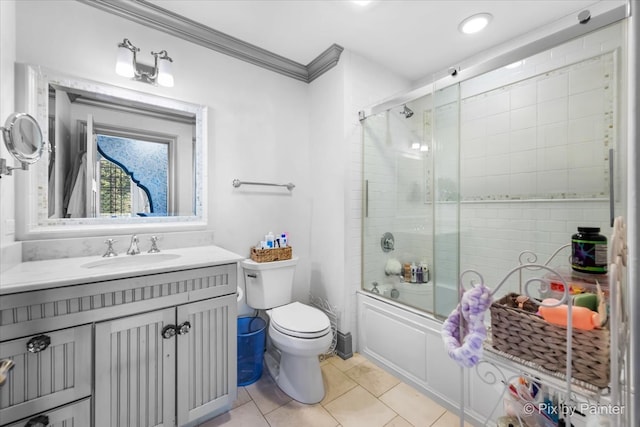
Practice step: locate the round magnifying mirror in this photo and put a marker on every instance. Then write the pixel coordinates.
(23, 138)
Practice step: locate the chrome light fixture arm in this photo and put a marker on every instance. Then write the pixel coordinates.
(156, 55)
(144, 72)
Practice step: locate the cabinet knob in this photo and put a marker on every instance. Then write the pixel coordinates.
(184, 328)
(168, 331)
(40, 420)
(5, 366)
(39, 343)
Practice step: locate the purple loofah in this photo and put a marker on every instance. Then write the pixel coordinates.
(467, 350)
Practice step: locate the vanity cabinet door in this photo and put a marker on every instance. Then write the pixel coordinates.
(135, 371)
(49, 370)
(207, 383)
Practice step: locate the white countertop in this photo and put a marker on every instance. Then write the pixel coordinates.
(36, 275)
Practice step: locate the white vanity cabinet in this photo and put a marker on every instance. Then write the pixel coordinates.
(166, 367)
(145, 350)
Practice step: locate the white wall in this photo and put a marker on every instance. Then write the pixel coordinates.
(261, 127)
(258, 127)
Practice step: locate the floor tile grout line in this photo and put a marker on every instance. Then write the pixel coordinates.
(437, 419)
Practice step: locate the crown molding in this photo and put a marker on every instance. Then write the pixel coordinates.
(168, 22)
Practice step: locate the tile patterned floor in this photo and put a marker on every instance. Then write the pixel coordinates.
(358, 394)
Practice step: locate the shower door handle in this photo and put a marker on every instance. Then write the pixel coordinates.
(366, 198)
(612, 199)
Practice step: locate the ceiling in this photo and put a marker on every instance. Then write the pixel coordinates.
(413, 38)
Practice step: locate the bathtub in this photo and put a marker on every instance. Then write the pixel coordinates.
(407, 342)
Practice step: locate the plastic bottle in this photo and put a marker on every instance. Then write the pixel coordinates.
(406, 267)
(269, 238)
(589, 251)
(283, 240)
(582, 317)
(413, 273)
(425, 271)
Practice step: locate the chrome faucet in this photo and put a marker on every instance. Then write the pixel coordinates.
(133, 248)
(110, 252)
(154, 245)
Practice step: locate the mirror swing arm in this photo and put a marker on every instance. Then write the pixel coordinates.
(23, 138)
(7, 170)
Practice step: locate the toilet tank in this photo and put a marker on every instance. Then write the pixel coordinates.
(269, 284)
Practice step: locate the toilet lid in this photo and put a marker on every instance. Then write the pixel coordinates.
(300, 320)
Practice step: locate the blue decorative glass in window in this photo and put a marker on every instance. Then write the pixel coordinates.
(147, 163)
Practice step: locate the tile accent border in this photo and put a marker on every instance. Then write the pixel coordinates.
(168, 22)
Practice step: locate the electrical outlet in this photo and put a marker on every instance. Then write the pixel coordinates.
(10, 227)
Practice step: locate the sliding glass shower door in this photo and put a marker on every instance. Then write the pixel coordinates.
(403, 192)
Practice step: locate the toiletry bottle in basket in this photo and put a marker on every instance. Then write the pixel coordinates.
(582, 317)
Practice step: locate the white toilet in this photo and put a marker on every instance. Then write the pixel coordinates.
(298, 333)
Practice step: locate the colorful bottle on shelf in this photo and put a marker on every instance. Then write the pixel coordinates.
(589, 251)
(581, 317)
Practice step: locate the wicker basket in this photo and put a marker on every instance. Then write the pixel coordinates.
(528, 336)
(269, 255)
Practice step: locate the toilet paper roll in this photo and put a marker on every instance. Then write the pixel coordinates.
(239, 293)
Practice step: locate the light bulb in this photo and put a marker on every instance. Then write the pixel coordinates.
(124, 64)
(165, 77)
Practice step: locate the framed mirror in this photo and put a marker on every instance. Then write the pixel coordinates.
(118, 157)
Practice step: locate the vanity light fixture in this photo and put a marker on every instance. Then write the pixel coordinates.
(514, 65)
(475, 23)
(128, 66)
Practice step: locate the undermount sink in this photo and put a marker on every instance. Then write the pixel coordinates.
(131, 261)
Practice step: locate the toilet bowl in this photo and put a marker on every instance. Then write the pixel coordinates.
(297, 333)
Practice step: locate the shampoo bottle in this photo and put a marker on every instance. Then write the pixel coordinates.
(582, 317)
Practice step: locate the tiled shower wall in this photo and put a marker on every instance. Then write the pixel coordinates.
(534, 150)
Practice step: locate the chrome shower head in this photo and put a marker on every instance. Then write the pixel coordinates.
(406, 112)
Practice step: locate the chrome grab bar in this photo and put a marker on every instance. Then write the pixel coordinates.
(237, 183)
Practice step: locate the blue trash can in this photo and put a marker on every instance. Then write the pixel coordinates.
(251, 342)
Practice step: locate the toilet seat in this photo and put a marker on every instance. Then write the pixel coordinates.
(300, 320)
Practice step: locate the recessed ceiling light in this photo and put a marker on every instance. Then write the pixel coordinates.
(475, 23)
(361, 2)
